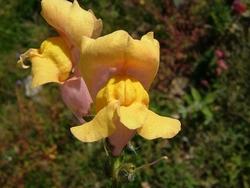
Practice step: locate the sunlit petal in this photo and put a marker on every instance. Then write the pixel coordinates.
(100, 127)
(118, 53)
(102, 58)
(70, 19)
(156, 126)
(132, 116)
(51, 63)
(142, 59)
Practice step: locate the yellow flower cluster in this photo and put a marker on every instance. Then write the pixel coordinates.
(117, 69)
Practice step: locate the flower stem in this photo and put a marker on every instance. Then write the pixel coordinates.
(152, 163)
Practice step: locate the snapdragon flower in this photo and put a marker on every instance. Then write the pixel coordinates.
(118, 71)
(57, 59)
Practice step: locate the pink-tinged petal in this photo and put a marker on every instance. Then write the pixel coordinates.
(101, 59)
(118, 54)
(75, 95)
(74, 50)
(120, 138)
(70, 19)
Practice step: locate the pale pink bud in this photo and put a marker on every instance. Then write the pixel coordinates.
(75, 95)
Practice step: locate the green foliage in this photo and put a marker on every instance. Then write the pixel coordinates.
(197, 105)
(220, 16)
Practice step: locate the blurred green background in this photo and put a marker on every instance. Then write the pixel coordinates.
(203, 80)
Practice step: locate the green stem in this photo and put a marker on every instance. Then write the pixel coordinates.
(115, 171)
(152, 163)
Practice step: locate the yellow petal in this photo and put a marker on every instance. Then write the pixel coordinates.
(101, 58)
(142, 59)
(43, 71)
(26, 55)
(51, 63)
(132, 116)
(156, 126)
(100, 127)
(98, 26)
(123, 89)
(118, 54)
(70, 19)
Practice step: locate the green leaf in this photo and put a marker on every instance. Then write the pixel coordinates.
(196, 95)
(209, 98)
(188, 99)
(207, 113)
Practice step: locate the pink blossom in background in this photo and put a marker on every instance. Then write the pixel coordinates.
(222, 64)
(218, 71)
(204, 83)
(219, 53)
(239, 7)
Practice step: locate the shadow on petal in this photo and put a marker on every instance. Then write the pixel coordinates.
(120, 138)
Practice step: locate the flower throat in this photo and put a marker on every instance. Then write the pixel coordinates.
(124, 89)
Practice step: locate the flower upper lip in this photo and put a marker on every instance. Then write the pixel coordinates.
(70, 20)
(120, 53)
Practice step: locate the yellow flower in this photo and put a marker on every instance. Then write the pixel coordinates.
(57, 58)
(50, 63)
(118, 71)
(118, 53)
(70, 20)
